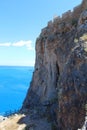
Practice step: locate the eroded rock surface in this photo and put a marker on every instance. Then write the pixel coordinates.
(60, 75)
(73, 91)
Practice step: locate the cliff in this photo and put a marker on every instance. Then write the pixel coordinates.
(59, 83)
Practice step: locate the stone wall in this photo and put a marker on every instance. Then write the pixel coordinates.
(67, 16)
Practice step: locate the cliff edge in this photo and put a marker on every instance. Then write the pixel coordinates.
(59, 82)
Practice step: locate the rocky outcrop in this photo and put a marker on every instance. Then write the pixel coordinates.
(60, 75)
(73, 91)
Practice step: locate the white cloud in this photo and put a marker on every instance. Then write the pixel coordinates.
(5, 44)
(20, 43)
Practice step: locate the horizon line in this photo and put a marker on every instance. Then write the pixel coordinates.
(18, 65)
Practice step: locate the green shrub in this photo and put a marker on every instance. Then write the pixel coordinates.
(84, 37)
(75, 40)
(86, 108)
(29, 126)
(53, 126)
(74, 22)
(26, 128)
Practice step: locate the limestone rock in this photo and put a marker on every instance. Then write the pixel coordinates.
(61, 70)
(73, 91)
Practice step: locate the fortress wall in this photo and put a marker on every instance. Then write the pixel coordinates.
(57, 20)
(84, 5)
(66, 17)
(67, 14)
(76, 12)
(50, 23)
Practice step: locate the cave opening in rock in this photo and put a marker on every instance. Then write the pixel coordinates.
(57, 73)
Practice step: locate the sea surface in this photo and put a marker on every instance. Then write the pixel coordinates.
(14, 83)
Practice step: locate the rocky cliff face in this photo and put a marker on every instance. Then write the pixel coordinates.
(60, 74)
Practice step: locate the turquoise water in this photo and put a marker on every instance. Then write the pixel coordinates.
(14, 83)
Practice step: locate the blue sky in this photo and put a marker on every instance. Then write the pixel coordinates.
(21, 22)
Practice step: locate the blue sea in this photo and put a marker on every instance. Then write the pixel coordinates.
(14, 83)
